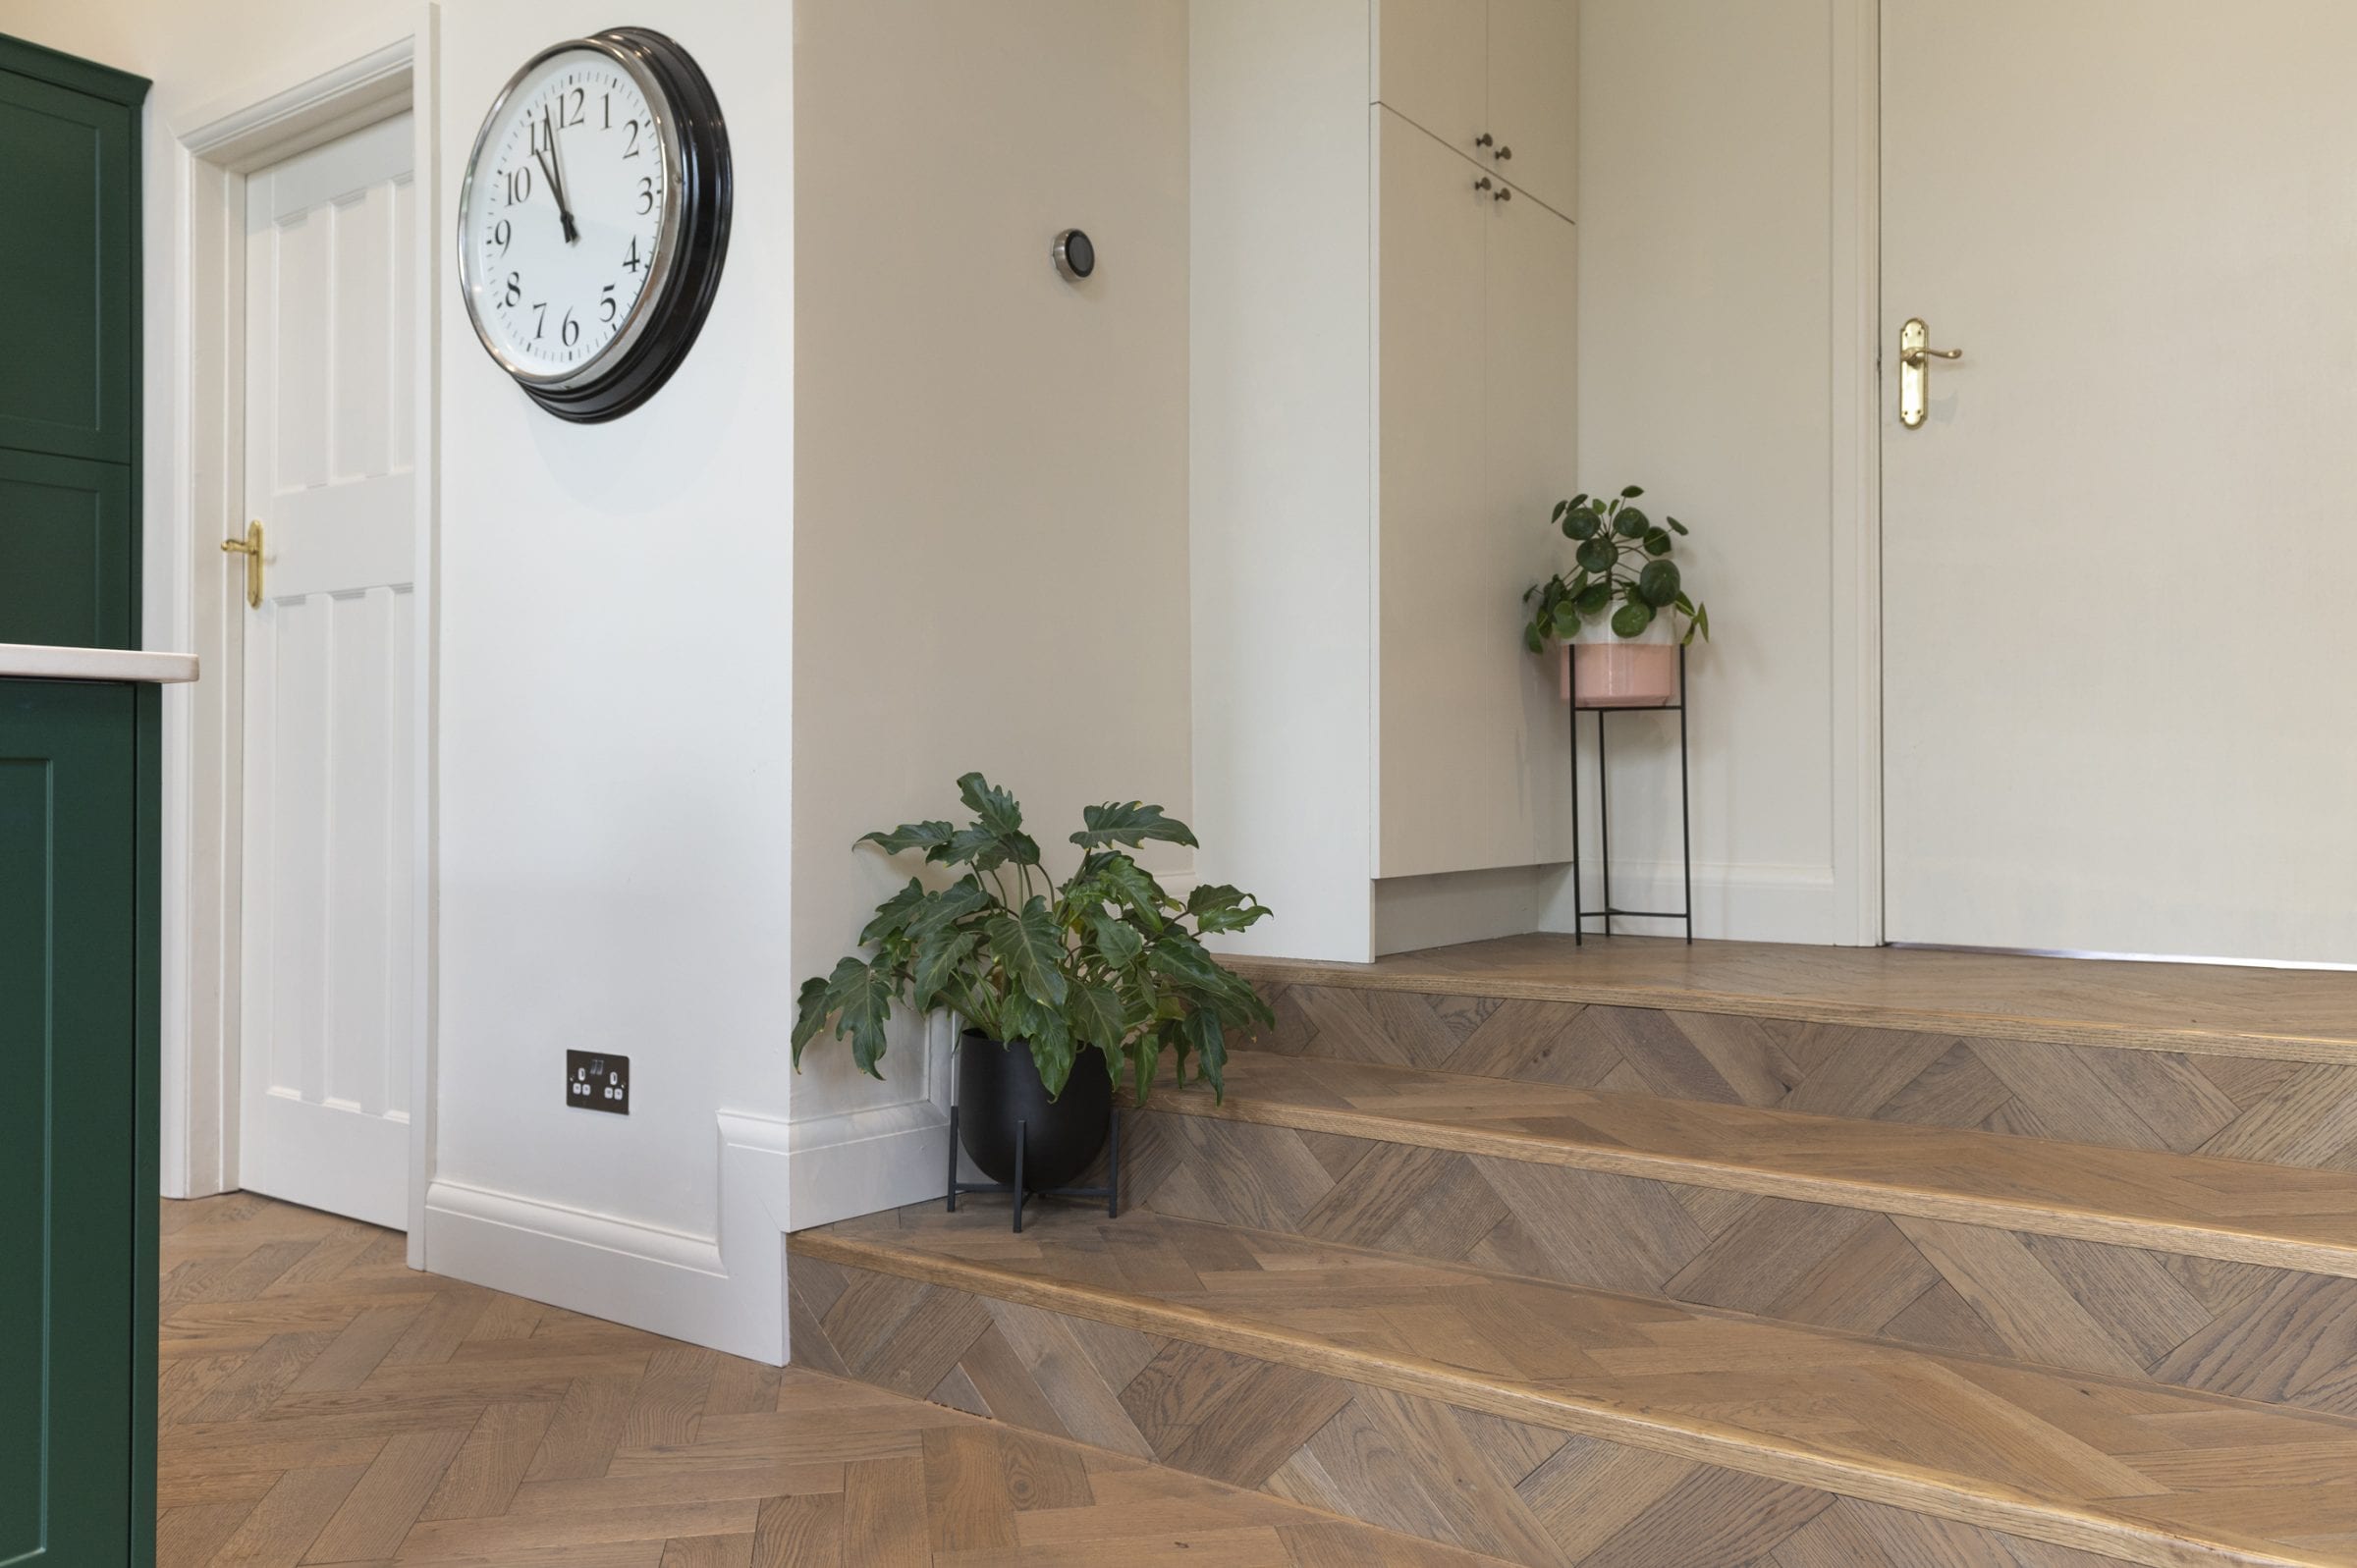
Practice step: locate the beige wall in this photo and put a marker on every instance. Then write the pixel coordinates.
(991, 488)
(1707, 222)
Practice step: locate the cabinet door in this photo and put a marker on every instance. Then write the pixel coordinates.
(73, 976)
(1534, 96)
(65, 279)
(1533, 438)
(66, 569)
(1437, 595)
(1432, 65)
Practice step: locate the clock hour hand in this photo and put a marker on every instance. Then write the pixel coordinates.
(552, 164)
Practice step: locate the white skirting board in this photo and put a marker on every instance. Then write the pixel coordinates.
(727, 1292)
(1748, 902)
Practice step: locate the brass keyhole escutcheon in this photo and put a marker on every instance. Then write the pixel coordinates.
(250, 547)
(1915, 357)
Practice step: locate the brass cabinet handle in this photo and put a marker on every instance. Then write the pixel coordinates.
(250, 547)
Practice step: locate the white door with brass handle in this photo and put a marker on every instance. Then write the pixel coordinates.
(329, 711)
(2117, 523)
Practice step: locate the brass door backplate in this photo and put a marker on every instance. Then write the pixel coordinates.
(1915, 357)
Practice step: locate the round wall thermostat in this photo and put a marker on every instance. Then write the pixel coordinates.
(1075, 258)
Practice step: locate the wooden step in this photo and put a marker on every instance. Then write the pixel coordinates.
(2294, 1014)
(2229, 1209)
(1548, 1424)
(2099, 1064)
(2079, 1259)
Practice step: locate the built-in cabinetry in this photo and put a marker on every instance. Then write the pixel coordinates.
(1428, 147)
(79, 791)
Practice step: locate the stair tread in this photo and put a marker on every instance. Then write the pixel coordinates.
(2151, 1473)
(2218, 1008)
(2239, 1211)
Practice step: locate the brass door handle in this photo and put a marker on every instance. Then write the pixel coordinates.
(250, 547)
(1915, 354)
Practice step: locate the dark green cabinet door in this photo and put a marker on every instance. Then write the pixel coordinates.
(65, 553)
(68, 161)
(75, 1380)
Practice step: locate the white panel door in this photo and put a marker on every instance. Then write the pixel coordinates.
(1534, 97)
(329, 703)
(2116, 558)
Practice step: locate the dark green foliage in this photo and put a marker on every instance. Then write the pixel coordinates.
(1622, 567)
(1104, 962)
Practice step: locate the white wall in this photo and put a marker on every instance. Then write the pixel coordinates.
(1283, 454)
(615, 743)
(1708, 227)
(991, 487)
(617, 661)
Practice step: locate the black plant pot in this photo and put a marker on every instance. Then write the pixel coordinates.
(999, 1089)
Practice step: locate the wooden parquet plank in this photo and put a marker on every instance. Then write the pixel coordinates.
(409, 1411)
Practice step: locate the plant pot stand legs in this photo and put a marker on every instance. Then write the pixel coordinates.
(1581, 914)
(1111, 1192)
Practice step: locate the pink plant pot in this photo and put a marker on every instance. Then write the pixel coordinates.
(1622, 674)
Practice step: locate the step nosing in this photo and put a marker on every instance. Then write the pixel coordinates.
(1931, 1489)
(2225, 1240)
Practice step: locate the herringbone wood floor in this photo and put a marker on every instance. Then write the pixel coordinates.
(322, 1403)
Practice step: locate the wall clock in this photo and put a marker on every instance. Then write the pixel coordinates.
(594, 219)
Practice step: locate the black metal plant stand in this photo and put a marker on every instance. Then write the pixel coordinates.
(1581, 914)
(1111, 1192)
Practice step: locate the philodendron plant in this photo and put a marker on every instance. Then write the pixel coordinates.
(1103, 961)
(1622, 566)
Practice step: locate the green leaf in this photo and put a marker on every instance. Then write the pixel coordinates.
(996, 808)
(1632, 491)
(1128, 823)
(962, 898)
(1597, 555)
(1580, 525)
(1097, 1017)
(939, 957)
(1210, 1041)
(1677, 527)
(1659, 542)
(1567, 621)
(860, 999)
(1044, 1030)
(1631, 618)
(1533, 638)
(1122, 881)
(810, 1014)
(1031, 947)
(1118, 940)
(986, 848)
(1701, 623)
(1595, 598)
(1561, 507)
(892, 915)
(929, 837)
(1632, 524)
(1216, 906)
(1658, 582)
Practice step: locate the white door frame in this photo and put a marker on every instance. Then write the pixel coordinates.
(1856, 458)
(195, 494)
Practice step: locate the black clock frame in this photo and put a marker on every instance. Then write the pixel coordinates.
(706, 196)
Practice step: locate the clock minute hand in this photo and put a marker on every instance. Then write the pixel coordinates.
(552, 164)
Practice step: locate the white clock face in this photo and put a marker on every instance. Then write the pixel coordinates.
(568, 221)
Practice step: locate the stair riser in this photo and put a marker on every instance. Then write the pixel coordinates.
(2276, 1335)
(1404, 1461)
(2229, 1103)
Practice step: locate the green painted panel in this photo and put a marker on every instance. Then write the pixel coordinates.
(67, 168)
(72, 1027)
(66, 539)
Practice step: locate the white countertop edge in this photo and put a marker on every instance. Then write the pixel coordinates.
(27, 661)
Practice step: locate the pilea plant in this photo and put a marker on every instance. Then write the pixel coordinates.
(1623, 559)
(1104, 960)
